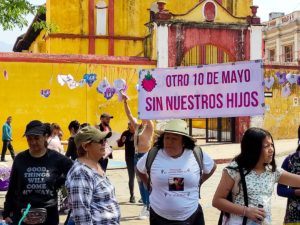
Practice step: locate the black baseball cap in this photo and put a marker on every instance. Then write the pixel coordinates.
(35, 127)
(103, 115)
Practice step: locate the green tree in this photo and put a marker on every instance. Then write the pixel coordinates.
(13, 12)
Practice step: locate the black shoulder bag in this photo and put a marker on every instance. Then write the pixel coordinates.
(229, 197)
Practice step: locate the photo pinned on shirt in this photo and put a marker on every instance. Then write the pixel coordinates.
(176, 184)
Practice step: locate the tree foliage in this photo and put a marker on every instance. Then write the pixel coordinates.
(13, 12)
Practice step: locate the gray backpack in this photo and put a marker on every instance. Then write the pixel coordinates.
(153, 152)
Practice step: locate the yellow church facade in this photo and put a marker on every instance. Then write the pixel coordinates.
(113, 39)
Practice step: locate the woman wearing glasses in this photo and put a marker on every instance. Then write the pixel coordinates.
(92, 197)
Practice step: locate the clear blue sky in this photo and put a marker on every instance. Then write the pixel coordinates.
(265, 7)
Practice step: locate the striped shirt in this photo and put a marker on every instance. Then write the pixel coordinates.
(92, 197)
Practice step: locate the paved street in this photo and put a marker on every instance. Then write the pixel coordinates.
(130, 211)
(219, 152)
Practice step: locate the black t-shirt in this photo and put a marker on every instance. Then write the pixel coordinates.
(35, 181)
(72, 150)
(129, 143)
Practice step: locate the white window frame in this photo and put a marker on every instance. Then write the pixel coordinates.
(101, 18)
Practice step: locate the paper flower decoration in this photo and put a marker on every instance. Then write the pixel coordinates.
(109, 92)
(81, 83)
(120, 86)
(67, 79)
(269, 82)
(281, 78)
(45, 93)
(102, 86)
(292, 78)
(4, 178)
(90, 78)
(285, 91)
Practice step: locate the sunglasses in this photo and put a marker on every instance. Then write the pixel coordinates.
(101, 142)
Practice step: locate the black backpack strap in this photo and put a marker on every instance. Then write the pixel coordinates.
(150, 158)
(229, 196)
(199, 158)
(244, 185)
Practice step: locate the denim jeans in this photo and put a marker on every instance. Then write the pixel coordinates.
(143, 188)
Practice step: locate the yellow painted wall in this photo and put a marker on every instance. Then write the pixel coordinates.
(20, 96)
(71, 17)
(222, 16)
(283, 117)
(68, 46)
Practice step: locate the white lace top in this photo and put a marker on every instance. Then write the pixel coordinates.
(259, 188)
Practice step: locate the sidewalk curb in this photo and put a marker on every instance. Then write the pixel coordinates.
(228, 160)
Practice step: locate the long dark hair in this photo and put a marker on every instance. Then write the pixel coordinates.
(187, 142)
(251, 148)
(298, 148)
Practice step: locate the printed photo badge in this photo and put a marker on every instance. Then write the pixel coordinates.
(45, 93)
(120, 86)
(292, 78)
(90, 78)
(269, 82)
(67, 79)
(148, 83)
(281, 77)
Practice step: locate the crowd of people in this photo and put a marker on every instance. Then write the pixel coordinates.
(170, 169)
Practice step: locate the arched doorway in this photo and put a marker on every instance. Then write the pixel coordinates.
(210, 129)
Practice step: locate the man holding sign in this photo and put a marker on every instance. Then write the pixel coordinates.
(143, 134)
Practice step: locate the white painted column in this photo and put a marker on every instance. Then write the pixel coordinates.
(296, 46)
(162, 46)
(256, 40)
(278, 49)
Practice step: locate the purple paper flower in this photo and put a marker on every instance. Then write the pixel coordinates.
(281, 77)
(4, 173)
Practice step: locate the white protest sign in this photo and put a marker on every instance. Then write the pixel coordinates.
(220, 90)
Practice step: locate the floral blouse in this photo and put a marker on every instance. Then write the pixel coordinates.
(259, 188)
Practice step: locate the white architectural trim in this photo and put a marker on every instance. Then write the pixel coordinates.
(162, 46)
(256, 42)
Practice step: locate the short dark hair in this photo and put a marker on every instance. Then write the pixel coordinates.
(187, 142)
(251, 148)
(75, 125)
(84, 125)
(47, 129)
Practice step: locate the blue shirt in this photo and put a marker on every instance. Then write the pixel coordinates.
(6, 132)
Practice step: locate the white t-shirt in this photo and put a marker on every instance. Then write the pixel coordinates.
(55, 144)
(171, 201)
